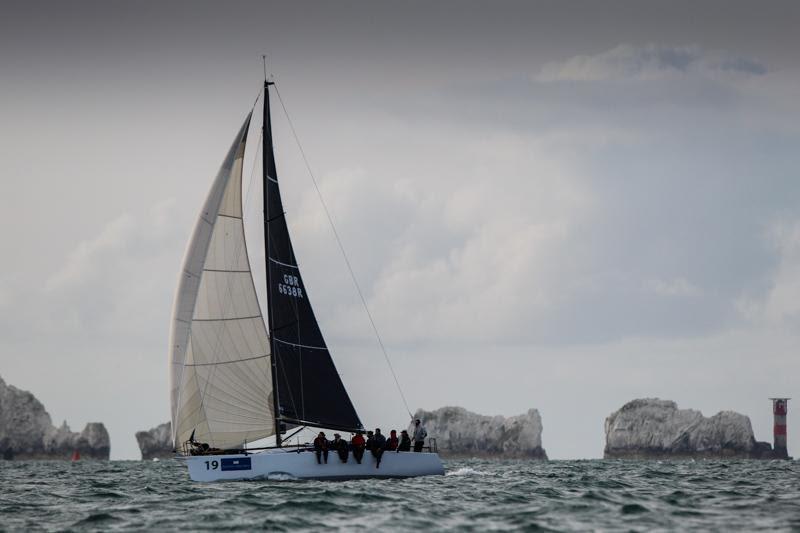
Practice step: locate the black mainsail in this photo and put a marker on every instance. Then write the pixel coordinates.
(307, 387)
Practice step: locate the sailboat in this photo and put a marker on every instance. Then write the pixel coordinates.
(236, 378)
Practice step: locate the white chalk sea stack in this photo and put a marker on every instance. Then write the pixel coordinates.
(656, 429)
(461, 433)
(27, 432)
(156, 443)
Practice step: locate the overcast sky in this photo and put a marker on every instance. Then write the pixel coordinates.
(559, 205)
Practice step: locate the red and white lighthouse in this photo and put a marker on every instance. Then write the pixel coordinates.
(779, 409)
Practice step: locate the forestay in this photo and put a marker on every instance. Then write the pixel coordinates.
(221, 382)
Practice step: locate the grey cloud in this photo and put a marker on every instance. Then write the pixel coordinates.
(647, 62)
(678, 192)
(101, 289)
(609, 245)
(741, 64)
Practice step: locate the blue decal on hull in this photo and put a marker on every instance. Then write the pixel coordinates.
(236, 464)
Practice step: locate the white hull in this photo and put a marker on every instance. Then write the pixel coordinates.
(287, 463)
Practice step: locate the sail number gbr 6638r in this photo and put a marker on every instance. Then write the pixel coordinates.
(290, 286)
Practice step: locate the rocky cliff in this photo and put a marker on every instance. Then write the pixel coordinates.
(156, 443)
(460, 433)
(657, 429)
(27, 432)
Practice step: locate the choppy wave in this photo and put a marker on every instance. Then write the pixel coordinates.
(465, 471)
(281, 477)
(475, 495)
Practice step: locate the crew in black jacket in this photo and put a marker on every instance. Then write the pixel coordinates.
(321, 446)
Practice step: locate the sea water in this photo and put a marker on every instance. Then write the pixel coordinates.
(474, 495)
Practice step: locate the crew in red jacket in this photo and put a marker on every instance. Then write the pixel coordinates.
(392, 441)
(358, 443)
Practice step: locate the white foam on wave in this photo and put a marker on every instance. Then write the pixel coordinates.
(280, 476)
(465, 471)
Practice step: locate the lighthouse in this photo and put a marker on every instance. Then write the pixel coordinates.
(779, 408)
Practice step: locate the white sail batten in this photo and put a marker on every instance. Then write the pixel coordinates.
(220, 373)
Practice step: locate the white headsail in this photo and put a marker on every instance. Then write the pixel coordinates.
(221, 383)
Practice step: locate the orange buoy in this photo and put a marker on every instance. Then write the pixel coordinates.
(76, 456)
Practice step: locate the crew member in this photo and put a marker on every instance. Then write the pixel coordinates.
(370, 441)
(321, 448)
(392, 441)
(405, 442)
(378, 445)
(419, 435)
(340, 445)
(358, 444)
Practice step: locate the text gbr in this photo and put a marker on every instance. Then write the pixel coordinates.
(290, 286)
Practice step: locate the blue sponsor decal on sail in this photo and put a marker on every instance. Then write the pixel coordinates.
(242, 463)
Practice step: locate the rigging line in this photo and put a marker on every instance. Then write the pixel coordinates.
(344, 254)
(256, 100)
(250, 181)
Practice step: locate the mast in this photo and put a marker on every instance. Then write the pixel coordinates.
(267, 163)
(307, 388)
